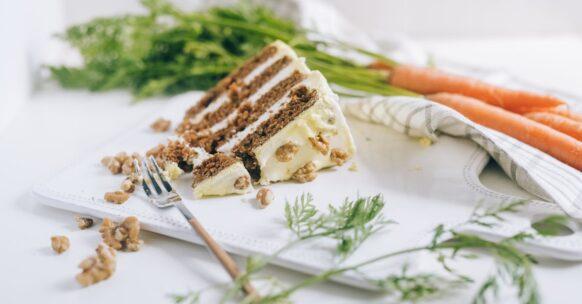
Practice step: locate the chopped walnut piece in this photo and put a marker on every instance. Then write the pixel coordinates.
(286, 152)
(320, 143)
(114, 166)
(305, 173)
(117, 197)
(242, 183)
(161, 125)
(265, 197)
(124, 236)
(84, 222)
(97, 268)
(120, 163)
(339, 157)
(60, 243)
(128, 185)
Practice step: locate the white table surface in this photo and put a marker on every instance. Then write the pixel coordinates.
(59, 125)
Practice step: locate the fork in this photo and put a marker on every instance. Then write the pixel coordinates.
(171, 198)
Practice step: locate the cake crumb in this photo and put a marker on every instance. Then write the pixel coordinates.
(425, 142)
(97, 268)
(265, 197)
(320, 143)
(114, 166)
(338, 156)
(84, 222)
(60, 243)
(286, 152)
(305, 173)
(242, 183)
(124, 236)
(353, 167)
(161, 125)
(117, 197)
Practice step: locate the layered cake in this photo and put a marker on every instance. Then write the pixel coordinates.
(270, 120)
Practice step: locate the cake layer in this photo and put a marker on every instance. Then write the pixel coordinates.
(271, 120)
(307, 128)
(220, 174)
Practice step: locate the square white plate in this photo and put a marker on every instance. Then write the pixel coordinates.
(420, 193)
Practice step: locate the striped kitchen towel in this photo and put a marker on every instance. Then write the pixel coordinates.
(533, 170)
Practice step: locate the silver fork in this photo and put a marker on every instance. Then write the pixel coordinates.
(151, 181)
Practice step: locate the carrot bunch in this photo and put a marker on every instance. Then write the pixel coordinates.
(536, 119)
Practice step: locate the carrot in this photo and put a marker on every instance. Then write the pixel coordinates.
(542, 137)
(563, 124)
(560, 111)
(431, 81)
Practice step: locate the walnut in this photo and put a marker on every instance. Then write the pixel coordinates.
(339, 157)
(120, 163)
(320, 143)
(121, 157)
(97, 268)
(60, 243)
(128, 185)
(124, 236)
(114, 166)
(117, 197)
(265, 197)
(242, 182)
(305, 173)
(84, 222)
(161, 125)
(286, 152)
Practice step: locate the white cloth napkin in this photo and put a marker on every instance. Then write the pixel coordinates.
(533, 170)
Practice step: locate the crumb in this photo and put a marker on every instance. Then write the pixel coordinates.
(161, 125)
(338, 156)
(305, 173)
(286, 152)
(353, 167)
(84, 222)
(128, 186)
(60, 243)
(97, 268)
(425, 142)
(124, 236)
(368, 139)
(416, 168)
(156, 151)
(172, 171)
(265, 197)
(320, 143)
(242, 183)
(117, 197)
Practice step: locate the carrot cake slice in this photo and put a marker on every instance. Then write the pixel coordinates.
(272, 118)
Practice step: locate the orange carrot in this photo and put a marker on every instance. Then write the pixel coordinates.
(563, 124)
(559, 145)
(560, 111)
(431, 81)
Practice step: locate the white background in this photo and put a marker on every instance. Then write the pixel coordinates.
(536, 39)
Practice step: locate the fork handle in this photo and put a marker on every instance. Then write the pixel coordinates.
(223, 257)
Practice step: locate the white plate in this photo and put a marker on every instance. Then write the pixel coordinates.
(419, 194)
